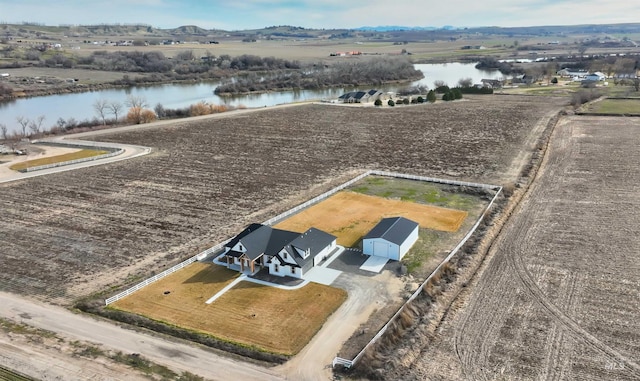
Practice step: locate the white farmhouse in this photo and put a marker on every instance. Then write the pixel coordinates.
(391, 238)
(282, 252)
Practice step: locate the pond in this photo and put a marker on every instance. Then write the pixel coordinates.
(79, 106)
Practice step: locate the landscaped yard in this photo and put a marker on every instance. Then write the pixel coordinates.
(57, 159)
(264, 317)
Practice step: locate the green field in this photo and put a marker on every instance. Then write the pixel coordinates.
(615, 106)
(421, 192)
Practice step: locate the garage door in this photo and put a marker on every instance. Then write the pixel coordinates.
(381, 249)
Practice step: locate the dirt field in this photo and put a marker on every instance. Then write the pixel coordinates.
(70, 234)
(558, 298)
(248, 313)
(349, 216)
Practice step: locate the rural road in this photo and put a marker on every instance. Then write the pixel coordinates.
(130, 152)
(313, 363)
(172, 353)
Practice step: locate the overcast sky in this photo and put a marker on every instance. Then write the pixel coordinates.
(253, 14)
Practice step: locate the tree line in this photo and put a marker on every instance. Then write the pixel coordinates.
(354, 73)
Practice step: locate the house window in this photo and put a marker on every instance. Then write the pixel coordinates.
(293, 270)
(284, 255)
(240, 247)
(277, 268)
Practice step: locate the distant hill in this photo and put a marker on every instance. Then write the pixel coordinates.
(381, 33)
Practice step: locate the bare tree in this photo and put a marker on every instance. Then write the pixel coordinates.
(465, 82)
(100, 105)
(136, 101)
(36, 125)
(439, 83)
(4, 131)
(24, 124)
(115, 108)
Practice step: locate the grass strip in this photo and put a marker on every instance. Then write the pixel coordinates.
(82, 154)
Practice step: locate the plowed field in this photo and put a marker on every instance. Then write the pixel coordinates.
(559, 298)
(69, 234)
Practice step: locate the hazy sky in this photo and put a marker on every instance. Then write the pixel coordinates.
(250, 14)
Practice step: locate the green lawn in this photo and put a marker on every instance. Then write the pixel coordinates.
(615, 106)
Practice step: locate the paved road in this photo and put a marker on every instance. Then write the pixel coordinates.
(130, 152)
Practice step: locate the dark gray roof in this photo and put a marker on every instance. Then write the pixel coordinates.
(261, 239)
(392, 229)
(314, 240)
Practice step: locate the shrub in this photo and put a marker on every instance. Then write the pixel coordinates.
(138, 115)
(431, 96)
(391, 103)
(377, 103)
(406, 101)
(554, 80)
(200, 108)
(420, 99)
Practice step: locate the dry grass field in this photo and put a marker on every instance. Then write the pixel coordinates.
(349, 216)
(267, 318)
(70, 234)
(558, 298)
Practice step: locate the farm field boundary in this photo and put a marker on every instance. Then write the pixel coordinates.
(206, 253)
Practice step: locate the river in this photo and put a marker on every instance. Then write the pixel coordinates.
(79, 106)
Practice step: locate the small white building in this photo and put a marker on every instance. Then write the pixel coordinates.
(391, 238)
(597, 76)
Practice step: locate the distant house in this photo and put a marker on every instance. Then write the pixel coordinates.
(572, 73)
(361, 96)
(282, 252)
(625, 75)
(597, 76)
(391, 238)
(492, 83)
(523, 78)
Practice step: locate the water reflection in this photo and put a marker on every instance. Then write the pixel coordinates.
(80, 106)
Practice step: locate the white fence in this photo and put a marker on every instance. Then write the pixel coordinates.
(113, 151)
(349, 363)
(166, 272)
(76, 161)
(204, 254)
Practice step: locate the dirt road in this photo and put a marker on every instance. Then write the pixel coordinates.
(558, 298)
(176, 355)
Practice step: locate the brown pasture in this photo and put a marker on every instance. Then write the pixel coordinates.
(268, 318)
(349, 216)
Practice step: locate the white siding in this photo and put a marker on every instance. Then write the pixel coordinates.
(324, 253)
(408, 243)
(383, 248)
